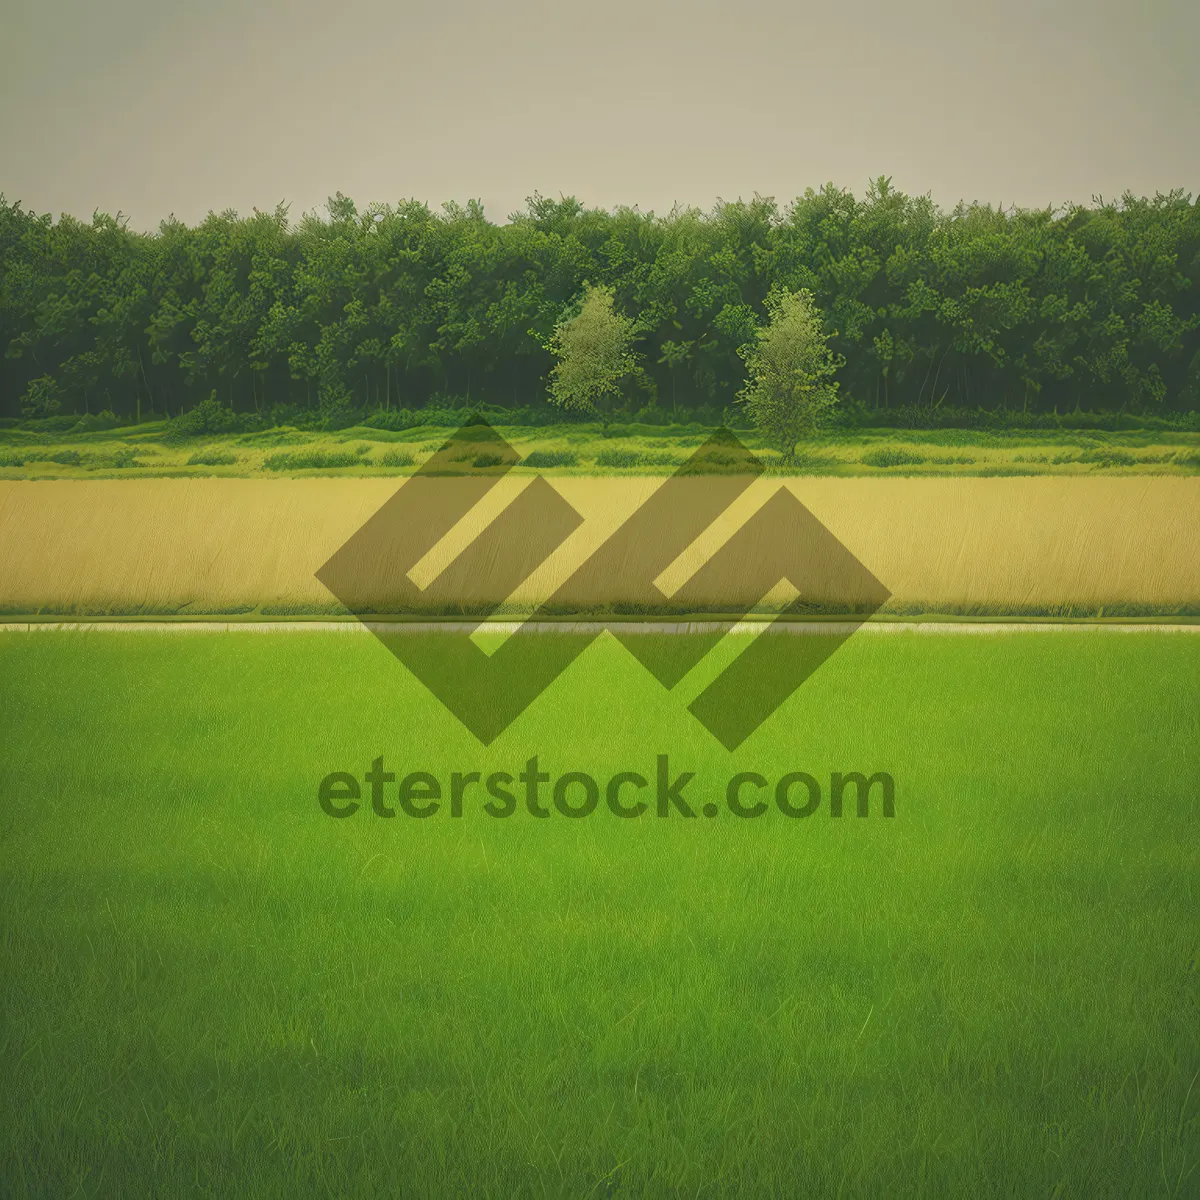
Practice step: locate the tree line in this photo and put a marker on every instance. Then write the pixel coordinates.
(1091, 307)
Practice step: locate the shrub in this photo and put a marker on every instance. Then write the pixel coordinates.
(212, 458)
(387, 436)
(305, 460)
(550, 458)
(856, 416)
(452, 412)
(275, 437)
(394, 419)
(736, 462)
(59, 424)
(208, 417)
(1108, 458)
(619, 458)
(62, 458)
(807, 462)
(113, 460)
(653, 415)
(890, 456)
(396, 458)
(661, 458)
(487, 460)
(95, 422)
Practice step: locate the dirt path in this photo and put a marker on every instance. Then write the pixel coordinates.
(977, 628)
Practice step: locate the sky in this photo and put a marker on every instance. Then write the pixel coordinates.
(159, 107)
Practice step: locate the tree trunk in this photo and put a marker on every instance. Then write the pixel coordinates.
(921, 393)
(933, 390)
(146, 381)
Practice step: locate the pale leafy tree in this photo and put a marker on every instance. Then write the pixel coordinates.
(789, 388)
(594, 349)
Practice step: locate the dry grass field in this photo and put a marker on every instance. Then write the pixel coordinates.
(1037, 545)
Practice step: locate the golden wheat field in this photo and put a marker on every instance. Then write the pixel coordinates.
(1033, 545)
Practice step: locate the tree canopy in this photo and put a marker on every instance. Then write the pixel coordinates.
(1089, 306)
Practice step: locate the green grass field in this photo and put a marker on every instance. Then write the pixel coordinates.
(209, 987)
(589, 449)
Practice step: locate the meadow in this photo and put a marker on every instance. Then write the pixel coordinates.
(209, 987)
(590, 449)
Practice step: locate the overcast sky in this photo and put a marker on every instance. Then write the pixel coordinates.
(153, 107)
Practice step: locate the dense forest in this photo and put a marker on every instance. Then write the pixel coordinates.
(1094, 307)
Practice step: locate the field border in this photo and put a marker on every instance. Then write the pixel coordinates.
(705, 625)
